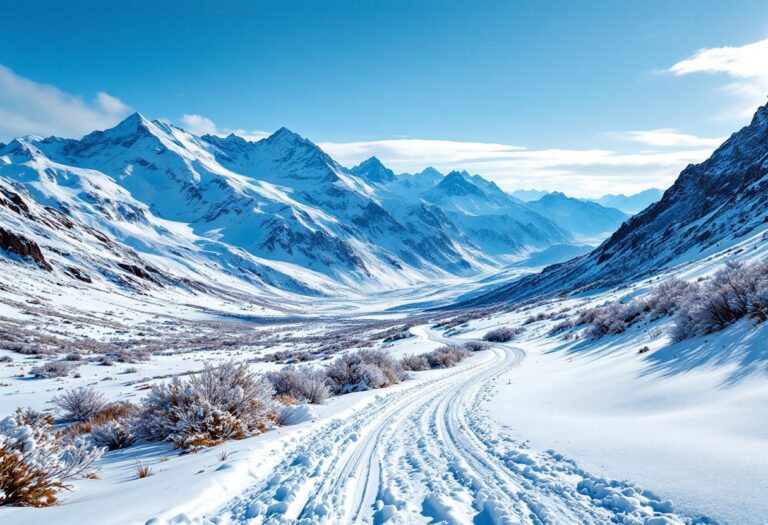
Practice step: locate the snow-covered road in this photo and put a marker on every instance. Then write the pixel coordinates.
(428, 453)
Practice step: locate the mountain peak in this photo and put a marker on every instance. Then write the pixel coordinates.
(456, 184)
(372, 170)
(133, 121)
(285, 135)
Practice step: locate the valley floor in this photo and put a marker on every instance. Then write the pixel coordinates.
(536, 431)
(434, 449)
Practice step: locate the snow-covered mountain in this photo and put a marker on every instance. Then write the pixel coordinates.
(711, 206)
(583, 219)
(146, 203)
(631, 204)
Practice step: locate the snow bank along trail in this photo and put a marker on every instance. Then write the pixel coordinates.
(425, 453)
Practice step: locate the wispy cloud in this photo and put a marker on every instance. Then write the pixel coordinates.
(200, 125)
(746, 66)
(31, 108)
(669, 137)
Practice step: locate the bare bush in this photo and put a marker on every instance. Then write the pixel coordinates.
(446, 356)
(223, 402)
(562, 326)
(364, 370)
(36, 462)
(502, 334)
(477, 346)
(113, 435)
(302, 384)
(142, 470)
(414, 363)
(51, 369)
(80, 404)
(735, 292)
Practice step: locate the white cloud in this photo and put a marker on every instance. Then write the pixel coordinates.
(111, 105)
(668, 137)
(30, 108)
(200, 125)
(585, 173)
(748, 61)
(746, 65)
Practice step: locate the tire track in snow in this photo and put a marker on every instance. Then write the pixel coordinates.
(425, 453)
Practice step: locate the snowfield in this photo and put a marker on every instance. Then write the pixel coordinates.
(627, 385)
(434, 449)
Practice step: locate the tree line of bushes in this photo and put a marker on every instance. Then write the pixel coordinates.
(735, 292)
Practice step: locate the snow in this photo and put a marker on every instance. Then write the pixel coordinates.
(272, 251)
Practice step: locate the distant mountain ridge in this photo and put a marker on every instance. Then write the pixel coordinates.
(710, 205)
(631, 204)
(582, 218)
(278, 214)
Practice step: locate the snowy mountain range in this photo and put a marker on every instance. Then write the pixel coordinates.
(147, 204)
(710, 207)
(631, 204)
(584, 219)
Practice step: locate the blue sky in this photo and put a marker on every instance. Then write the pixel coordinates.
(588, 97)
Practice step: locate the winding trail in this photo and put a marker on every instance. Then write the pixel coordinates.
(428, 453)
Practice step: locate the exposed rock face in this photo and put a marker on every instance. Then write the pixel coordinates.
(14, 243)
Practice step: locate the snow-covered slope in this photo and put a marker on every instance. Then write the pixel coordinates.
(583, 219)
(711, 206)
(278, 214)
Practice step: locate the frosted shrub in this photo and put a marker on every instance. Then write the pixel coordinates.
(503, 334)
(562, 326)
(224, 402)
(477, 346)
(36, 462)
(303, 384)
(113, 435)
(414, 363)
(363, 370)
(735, 292)
(80, 404)
(52, 369)
(669, 296)
(446, 356)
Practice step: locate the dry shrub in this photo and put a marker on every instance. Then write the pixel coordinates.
(503, 334)
(364, 370)
(446, 356)
(414, 363)
(36, 462)
(303, 384)
(477, 346)
(116, 411)
(114, 435)
(223, 402)
(142, 470)
(80, 404)
(52, 369)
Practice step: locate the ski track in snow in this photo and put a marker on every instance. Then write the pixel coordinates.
(427, 453)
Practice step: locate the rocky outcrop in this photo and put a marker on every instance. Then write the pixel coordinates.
(18, 244)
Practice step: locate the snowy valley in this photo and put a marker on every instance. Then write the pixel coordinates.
(221, 331)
